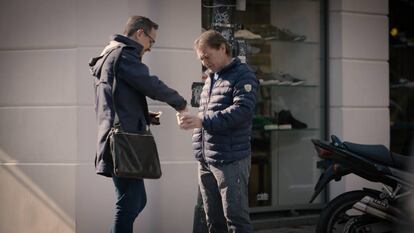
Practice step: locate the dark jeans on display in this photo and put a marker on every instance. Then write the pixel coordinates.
(224, 189)
(130, 201)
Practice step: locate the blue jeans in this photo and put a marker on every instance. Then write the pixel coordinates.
(130, 201)
(224, 189)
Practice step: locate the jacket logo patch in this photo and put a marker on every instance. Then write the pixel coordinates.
(248, 87)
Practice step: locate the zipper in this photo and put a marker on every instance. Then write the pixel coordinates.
(144, 133)
(203, 149)
(204, 113)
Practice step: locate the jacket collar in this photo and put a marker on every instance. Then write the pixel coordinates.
(236, 61)
(127, 41)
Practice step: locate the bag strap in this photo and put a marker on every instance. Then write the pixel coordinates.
(116, 123)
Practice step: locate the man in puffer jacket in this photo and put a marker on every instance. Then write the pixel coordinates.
(221, 138)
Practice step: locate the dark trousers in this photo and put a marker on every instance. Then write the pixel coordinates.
(225, 196)
(130, 201)
(199, 221)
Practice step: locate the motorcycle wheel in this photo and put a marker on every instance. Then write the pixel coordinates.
(359, 224)
(333, 217)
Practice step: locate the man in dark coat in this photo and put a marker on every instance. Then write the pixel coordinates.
(221, 138)
(122, 59)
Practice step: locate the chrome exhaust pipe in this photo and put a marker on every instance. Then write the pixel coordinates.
(373, 211)
(377, 204)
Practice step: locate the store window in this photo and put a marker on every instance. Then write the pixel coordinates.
(283, 42)
(401, 49)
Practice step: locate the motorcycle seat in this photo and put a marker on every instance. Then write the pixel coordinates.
(379, 154)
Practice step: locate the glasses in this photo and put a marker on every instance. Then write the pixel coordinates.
(152, 41)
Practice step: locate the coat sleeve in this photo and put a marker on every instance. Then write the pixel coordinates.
(136, 74)
(241, 111)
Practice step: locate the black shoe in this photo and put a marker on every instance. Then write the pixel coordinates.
(280, 121)
(285, 120)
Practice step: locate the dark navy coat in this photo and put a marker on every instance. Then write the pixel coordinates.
(133, 84)
(226, 111)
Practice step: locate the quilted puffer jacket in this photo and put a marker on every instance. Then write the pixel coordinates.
(226, 110)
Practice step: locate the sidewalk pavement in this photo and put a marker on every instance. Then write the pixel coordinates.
(296, 229)
(293, 224)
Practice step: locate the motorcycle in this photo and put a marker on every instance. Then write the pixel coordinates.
(367, 210)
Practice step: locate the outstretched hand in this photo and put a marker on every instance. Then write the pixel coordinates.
(188, 121)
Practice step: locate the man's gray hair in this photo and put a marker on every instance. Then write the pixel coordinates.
(212, 39)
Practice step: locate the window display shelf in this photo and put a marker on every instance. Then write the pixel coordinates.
(272, 83)
(264, 41)
(277, 128)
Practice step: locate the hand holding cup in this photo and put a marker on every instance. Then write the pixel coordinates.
(188, 121)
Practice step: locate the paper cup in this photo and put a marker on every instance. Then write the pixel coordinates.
(178, 118)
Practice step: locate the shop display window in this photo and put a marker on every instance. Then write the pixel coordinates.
(283, 41)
